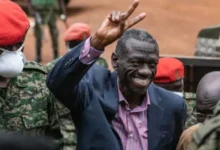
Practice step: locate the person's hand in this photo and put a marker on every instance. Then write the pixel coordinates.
(63, 17)
(114, 26)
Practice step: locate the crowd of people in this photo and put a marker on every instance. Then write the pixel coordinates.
(76, 102)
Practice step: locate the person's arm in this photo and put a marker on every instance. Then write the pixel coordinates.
(32, 11)
(180, 123)
(66, 80)
(30, 8)
(69, 80)
(62, 8)
(67, 126)
(54, 130)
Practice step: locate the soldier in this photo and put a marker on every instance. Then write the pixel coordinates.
(207, 97)
(170, 75)
(191, 103)
(207, 137)
(45, 12)
(76, 34)
(26, 105)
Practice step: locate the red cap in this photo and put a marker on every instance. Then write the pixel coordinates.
(169, 70)
(14, 23)
(77, 31)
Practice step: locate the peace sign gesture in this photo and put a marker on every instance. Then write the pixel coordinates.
(114, 25)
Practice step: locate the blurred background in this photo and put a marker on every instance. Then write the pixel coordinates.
(174, 23)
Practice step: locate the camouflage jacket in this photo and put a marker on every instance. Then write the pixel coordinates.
(28, 107)
(191, 103)
(68, 128)
(208, 136)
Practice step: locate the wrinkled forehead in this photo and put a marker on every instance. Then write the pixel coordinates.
(141, 49)
(144, 47)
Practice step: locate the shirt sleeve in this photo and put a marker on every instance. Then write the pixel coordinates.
(89, 54)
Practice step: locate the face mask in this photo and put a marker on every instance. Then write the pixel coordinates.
(179, 93)
(11, 62)
(67, 46)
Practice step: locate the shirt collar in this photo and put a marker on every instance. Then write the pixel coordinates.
(145, 102)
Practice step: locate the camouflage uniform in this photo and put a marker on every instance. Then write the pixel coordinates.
(27, 106)
(46, 12)
(208, 136)
(67, 126)
(101, 61)
(191, 103)
(66, 122)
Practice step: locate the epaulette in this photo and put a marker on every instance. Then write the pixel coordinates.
(205, 130)
(31, 65)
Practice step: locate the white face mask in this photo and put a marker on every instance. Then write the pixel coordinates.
(68, 46)
(179, 93)
(11, 62)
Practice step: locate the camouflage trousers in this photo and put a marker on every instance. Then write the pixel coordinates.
(46, 17)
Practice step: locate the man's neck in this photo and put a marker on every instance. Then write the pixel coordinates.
(3, 82)
(132, 98)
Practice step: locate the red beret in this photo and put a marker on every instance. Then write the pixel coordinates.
(169, 70)
(14, 23)
(77, 31)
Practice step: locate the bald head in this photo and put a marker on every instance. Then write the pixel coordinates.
(208, 92)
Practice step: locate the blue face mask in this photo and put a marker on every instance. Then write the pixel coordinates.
(179, 93)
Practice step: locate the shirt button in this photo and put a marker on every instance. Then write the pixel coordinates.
(131, 135)
(88, 55)
(140, 125)
(83, 51)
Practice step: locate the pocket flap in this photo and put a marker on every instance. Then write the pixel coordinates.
(35, 119)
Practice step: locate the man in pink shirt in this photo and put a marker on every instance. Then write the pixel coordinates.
(122, 110)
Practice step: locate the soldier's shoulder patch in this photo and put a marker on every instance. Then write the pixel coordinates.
(31, 65)
(205, 130)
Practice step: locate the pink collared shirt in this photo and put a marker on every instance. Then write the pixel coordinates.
(131, 125)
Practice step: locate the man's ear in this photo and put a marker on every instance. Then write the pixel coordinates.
(114, 60)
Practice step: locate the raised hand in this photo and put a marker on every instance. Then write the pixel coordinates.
(114, 25)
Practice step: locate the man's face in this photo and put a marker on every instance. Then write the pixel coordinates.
(137, 68)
